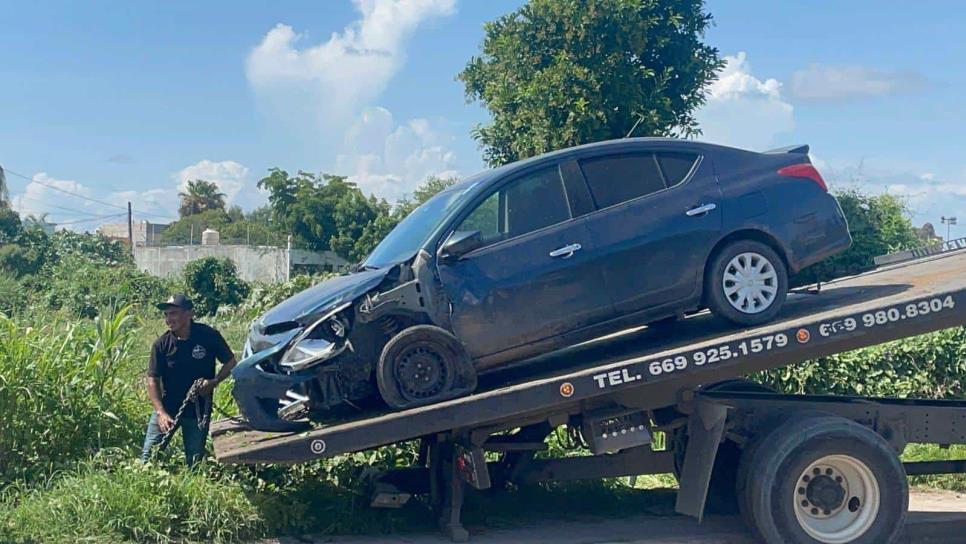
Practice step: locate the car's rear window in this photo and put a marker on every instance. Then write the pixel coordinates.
(618, 178)
(676, 166)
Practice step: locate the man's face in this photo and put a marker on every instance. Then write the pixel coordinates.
(176, 318)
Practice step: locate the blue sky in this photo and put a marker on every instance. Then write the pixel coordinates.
(125, 101)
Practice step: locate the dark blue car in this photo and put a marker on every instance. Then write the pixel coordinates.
(538, 255)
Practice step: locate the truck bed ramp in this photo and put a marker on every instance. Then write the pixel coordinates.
(646, 369)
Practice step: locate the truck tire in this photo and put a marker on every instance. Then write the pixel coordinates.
(746, 283)
(423, 365)
(826, 479)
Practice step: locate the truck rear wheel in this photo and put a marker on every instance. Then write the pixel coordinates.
(826, 479)
(422, 365)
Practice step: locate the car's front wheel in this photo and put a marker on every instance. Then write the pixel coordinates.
(423, 365)
(746, 283)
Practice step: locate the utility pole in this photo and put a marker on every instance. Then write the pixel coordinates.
(130, 229)
(948, 221)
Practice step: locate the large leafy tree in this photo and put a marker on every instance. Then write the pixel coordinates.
(322, 212)
(558, 73)
(200, 196)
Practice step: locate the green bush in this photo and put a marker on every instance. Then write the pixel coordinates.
(928, 366)
(65, 393)
(85, 287)
(13, 298)
(212, 282)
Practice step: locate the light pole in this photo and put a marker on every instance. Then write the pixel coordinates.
(948, 221)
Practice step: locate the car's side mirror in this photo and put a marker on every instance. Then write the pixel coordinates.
(460, 243)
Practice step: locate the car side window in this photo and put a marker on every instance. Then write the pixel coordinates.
(618, 178)
(676, 166)
(529, 203)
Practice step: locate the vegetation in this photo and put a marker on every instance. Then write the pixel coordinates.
(557, 74)
(200, 196)
(212, 283)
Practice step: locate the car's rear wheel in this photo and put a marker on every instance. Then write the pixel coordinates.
(746, 283)
(422, 365)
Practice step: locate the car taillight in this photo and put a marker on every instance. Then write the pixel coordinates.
(804, 170)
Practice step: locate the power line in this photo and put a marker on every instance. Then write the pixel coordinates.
(64, 208)
(59, 223)
(84, 197)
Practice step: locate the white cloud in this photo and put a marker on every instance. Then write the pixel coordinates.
(928, 196)
(391, 160)
(39, 198)
(336, 78)
(743, 110)
(823, 82)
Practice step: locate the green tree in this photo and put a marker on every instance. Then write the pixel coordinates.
(212, 283)
(878, 224)
(426, 190)
(324, 212)
(10, 225)
(558, 73)
(199, 196)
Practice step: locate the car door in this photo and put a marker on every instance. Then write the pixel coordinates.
(657, 218)
(535, 277)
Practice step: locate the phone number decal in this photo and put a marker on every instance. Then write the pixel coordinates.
(889, 315)
(734, 350)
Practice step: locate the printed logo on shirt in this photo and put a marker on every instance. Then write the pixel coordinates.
(199, 352)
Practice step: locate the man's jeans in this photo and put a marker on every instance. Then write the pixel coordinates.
(192, 437)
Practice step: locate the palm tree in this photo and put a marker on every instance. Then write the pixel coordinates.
(200, 196)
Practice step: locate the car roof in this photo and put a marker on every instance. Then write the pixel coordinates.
(483, 178)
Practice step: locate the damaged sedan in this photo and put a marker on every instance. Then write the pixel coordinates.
(535, 256)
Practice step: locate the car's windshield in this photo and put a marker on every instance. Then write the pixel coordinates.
(411, 232)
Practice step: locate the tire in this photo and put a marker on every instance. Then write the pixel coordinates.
(770, 271)
(791, 503)
(423, 351)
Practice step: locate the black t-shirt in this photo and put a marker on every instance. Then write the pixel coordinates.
(178, 363)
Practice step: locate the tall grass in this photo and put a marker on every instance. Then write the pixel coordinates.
(62, 393)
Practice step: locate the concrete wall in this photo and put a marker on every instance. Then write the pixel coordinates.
(255, 263)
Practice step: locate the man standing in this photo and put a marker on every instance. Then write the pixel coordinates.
(183, 354)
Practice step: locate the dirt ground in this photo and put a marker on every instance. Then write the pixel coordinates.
(935, 517)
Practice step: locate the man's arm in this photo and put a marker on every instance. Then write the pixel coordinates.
(224, 354)
(165, 422)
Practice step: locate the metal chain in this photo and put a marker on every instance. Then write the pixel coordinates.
(202, 411)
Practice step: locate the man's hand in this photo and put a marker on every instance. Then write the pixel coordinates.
(165, 422)
(208, 387)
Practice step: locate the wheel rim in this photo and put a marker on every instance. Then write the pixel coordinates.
(750, 283)
(422, 372)
(836, 499)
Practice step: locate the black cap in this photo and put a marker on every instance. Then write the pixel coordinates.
(177, 300)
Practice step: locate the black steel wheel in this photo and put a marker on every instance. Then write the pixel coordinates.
(422, 365)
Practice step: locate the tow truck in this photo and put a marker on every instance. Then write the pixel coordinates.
(801, 468)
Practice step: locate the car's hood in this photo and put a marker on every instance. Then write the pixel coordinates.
(322, 296)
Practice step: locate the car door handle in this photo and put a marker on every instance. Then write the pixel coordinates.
(566, 251)
(700, 210)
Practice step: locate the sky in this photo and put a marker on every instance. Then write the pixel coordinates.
(105, 103)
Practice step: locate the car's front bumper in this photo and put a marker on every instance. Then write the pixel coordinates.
(258, 391)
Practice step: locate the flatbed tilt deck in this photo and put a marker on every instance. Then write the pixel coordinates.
(831, 472)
